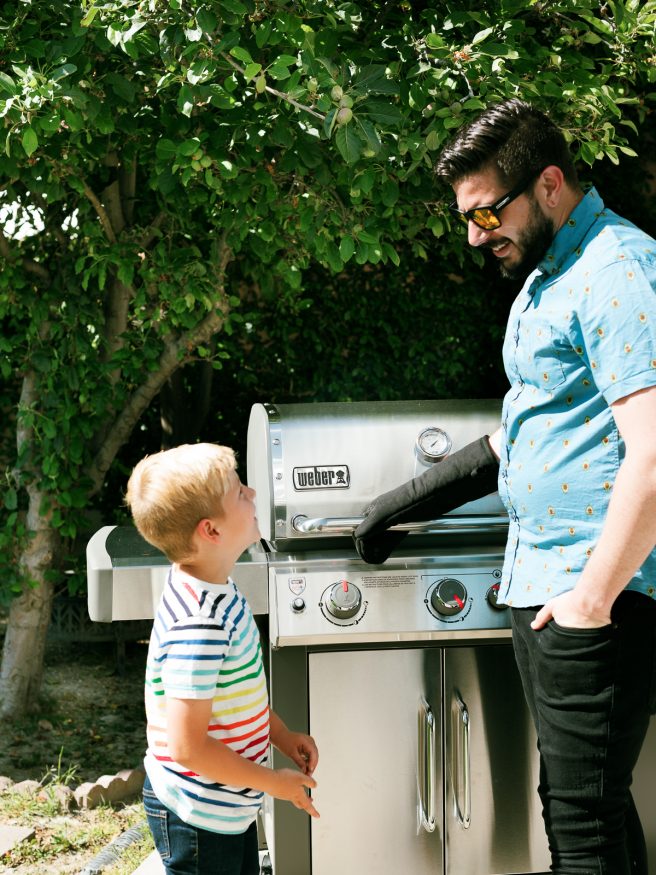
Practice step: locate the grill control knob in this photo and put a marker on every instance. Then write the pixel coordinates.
(298, 605)
(492, 598)
(449, 597)
(344, 600)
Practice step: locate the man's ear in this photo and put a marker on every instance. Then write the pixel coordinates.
(207, 530)
(550, 186)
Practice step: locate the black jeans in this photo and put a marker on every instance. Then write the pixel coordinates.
(591, 693)
(189, 850)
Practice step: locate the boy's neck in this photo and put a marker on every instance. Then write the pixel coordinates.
(210, 568)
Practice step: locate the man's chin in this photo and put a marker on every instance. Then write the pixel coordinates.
(510, 271)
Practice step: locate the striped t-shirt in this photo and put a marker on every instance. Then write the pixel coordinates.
(205, 645)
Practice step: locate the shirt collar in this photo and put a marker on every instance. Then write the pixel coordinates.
(568, 239)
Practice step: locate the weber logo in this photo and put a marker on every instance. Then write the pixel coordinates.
(322, 477)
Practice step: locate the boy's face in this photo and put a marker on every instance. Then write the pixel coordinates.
(238, 523)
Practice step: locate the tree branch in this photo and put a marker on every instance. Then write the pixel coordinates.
(176, 352)
(151, 232)
(275, 92)
(101, 213)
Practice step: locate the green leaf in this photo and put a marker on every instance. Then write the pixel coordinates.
(390, 193)
(206, 20)
(234, 6)
(482, 35)
(241, 54)
(7, 83)
(433, 141)
(87, 21)
(201, 71)
(62, 72)
(29, 141)
(11, 499)
(251, 71)
(286, 60)
(346, 248)
(165, 149)
(374, 80)
(392, 254)
(386, 114)
(348, 143)
(499, 50)
(121, 86)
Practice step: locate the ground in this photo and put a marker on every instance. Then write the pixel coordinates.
(90, 722)
(91, 718)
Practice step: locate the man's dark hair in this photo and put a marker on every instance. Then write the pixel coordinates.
(512, 138)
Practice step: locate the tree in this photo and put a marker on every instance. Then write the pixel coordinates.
(160, 157)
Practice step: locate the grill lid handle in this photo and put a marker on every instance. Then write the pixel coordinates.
(307, 526)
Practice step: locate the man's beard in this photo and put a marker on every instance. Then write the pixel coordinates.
(532, 243)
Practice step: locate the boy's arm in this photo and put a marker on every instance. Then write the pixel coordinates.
(299, 747)
(191, 746)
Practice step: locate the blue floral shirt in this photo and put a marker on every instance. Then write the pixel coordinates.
(581, 335)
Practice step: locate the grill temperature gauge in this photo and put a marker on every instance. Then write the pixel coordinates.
(432, 445)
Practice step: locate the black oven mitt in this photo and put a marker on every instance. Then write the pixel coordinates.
(469, 473)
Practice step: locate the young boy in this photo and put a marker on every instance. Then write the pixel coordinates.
(209, 722)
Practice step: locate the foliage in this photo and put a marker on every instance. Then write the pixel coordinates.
(165, 162)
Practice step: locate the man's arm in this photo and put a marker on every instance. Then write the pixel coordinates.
(190, 745)
(629, 531)
(465, 475)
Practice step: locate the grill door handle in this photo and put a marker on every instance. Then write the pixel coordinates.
(462, 765)
(306, 526)
(426, 765)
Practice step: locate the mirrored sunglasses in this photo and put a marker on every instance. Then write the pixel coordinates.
(487, 217)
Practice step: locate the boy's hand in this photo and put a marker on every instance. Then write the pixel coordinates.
(301, 750)
(290, 785)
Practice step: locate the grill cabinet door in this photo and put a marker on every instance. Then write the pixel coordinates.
(493, 819)
(366, 709)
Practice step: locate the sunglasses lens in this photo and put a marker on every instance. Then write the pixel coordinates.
(485, 219)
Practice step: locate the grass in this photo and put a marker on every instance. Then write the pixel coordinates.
(89, 722)
(65, 842)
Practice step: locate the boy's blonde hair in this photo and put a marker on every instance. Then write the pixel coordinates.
(170, 492)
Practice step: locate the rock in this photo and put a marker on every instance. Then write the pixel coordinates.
(10, 836)
(63, 795)
(26, 787)
(5, 784)
(109, 789)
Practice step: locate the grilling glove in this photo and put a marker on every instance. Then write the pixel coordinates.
(469, 473)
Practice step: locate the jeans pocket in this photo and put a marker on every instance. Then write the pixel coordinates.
(576, 664)
(156, 814)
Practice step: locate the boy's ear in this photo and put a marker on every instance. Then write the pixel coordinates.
(207, 530)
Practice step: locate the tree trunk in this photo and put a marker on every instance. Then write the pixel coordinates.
(29, 615)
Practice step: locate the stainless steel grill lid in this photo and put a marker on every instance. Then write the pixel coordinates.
(315, 467)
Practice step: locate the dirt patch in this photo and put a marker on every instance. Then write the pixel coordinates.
(90, 718)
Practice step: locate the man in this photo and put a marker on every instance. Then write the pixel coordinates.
(576, 464)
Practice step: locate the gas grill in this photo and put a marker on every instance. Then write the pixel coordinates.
(402, 672)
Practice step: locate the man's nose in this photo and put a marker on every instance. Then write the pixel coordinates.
(476, 236)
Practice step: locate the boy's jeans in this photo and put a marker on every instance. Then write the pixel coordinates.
(590, 692)
(188, 850)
